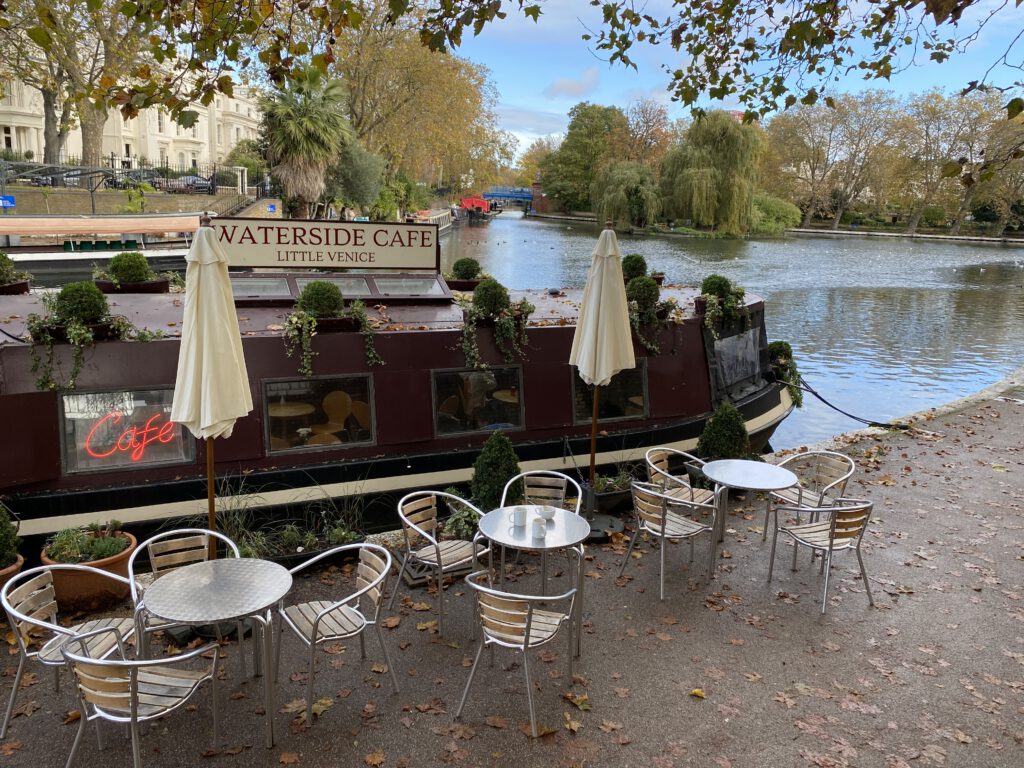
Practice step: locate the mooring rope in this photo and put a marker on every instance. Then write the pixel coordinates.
(802, 384)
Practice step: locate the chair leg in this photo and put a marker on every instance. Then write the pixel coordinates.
(767, 512)
(796, 546)
(398, 582)
(629, 550)
(529, 690)
(277, 651)
(362, 646)
(78, 735)
(771, 555)
(711, 558)
(472, 672)
(572, 648)
(14, 694)
(864, 576)
(828, 567)
(440, 602)
(387, 656)
(136, 757)
(661, 574)
(216, 706)
(309, 686)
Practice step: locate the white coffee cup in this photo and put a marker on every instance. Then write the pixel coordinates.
(540, 528)
(518, 516)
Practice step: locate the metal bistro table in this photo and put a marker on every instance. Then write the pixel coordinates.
(226, 590)
(565, 529)
(747, 475)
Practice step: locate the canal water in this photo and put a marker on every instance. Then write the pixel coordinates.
(880, 327)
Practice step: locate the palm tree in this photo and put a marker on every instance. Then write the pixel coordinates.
(306, 131)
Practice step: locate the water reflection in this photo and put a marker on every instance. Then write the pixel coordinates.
(881, 327)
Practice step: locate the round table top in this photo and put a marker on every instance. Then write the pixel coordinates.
(749, 475)
(285, 410)
(217, 590)
(564, 529)
(505, 395)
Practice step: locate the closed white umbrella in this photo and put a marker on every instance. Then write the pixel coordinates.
(603, 343)
(211, 390)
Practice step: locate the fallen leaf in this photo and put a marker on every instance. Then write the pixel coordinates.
(498, 722)
(374, 758)
(581, 700)
(72, 717)
(391, 622)
(608, 726)
(698, 693)
(288, 758)
(570, 724)
(8, 748)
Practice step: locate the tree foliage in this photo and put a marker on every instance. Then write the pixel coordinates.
(569, 173)
(306, 130)
(356, 177)
(710, 177)
(626, 194)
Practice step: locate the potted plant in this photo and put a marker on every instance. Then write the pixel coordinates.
(643, 296)
(466, 274)
(496, 465)
(129, 272)
(783, 366)
(633, 265)
(723, 303)
(613, 493)
(78, 315)
(10, 560)
(12, 281)
(725, 435)
(462, 522)
(492, 306)
(100, 545)
(320, 307)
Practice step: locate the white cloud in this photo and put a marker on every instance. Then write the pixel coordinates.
(574, 88)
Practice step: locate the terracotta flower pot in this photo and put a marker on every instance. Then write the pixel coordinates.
(160, 285)
(11, 570)
(15, 288)
(86, 592)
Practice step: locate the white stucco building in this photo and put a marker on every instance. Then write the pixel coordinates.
(151, 138)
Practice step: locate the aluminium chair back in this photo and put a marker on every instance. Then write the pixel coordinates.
(418, 513)
(175, 549)
(30, 603)
(849, 521)
(824, 473)
(544, 487)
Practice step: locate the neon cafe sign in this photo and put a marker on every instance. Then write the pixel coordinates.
(134, 440)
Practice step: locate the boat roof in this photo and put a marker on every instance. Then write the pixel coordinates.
(163, 312)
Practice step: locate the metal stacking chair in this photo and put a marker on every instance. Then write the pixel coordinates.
(322, 621)
(133, 691)
(659, 462)
(31, 607)
(541, 486)
(426, 555)
(822, 479)
(167, 551)
(843, 529)
(664, 516)
(520, 623)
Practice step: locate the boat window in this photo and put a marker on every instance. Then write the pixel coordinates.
(350, 287)
(269, 287)
(471, 401)
(625, 397)
(409, 286)
(319, 413)
(121, 430)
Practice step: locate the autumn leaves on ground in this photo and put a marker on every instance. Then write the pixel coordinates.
(736, 673)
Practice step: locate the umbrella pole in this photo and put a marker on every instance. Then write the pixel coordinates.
(211, 504)
(593, 452)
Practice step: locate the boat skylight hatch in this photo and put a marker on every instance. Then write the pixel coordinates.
(261, 289)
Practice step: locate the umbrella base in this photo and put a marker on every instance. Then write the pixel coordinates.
(601, 526)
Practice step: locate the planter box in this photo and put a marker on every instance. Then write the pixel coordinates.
(160, 285)
(86, 592)
(11, 570)
(337, 324)
(100, 331)
(463, 285)
(15, 288)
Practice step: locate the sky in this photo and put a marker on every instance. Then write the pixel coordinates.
(542, 69)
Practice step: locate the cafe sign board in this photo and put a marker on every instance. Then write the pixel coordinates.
(296, 243)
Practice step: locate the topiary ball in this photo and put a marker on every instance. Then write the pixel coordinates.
(130, 267)
(494, 467)
(466, 269)
(645, 292)
(82, 302)
(6, 269)
(716, 285)
(633, 265)
(490, 298)
(725, 435)
(321, 299)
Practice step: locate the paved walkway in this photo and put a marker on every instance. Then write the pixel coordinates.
(738, 673)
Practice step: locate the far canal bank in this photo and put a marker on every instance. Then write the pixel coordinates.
(882, 327)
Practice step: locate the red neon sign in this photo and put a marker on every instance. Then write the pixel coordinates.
(135, 439)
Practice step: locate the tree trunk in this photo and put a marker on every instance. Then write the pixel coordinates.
(93, 121)
(965, 208)
(808, 215)
(1000, 226)
(840, 210)
(913, 221)
(53, 135)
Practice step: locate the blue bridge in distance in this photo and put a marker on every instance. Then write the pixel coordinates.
(509, 194)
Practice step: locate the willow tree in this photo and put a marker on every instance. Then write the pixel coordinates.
(625, 193)
(710, 177)
(306, 130)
